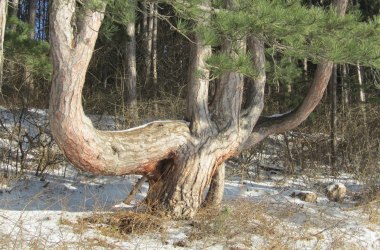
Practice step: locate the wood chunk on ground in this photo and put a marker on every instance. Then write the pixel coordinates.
(306, 196)
(336, 192)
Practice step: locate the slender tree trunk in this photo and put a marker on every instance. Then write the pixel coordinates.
(361, 85)
(148, 48)
(333, 117)
(3, 20)
(131, 75)
(32, 17)
(345, 108)
(154, 45)
(144, 21)
(135, 189)
(362, 97)
(305, 70)
(362, 100)
(345, 100)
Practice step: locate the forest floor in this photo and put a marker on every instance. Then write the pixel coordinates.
(67, 209)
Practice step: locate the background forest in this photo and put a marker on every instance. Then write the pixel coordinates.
(138, 73)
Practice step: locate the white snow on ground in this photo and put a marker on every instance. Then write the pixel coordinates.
(32, 211)
(43, 213)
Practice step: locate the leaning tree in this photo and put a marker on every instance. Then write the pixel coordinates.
(229, 41)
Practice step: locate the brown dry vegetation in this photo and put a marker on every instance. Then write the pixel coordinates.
(236, 225)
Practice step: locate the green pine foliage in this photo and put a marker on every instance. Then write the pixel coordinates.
(121, 11)
(117, 16)
(222, 63)
(289, 28)
(22, 50)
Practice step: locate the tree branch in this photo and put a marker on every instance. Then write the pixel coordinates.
(251, 113)
(198, 87)
(290, 120)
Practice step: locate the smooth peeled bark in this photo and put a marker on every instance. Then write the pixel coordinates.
(137, 150)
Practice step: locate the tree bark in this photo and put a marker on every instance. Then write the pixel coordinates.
(135, 189)
(215, 194)
(3, 20)
(345, 87)
(179, 164)
(148, 45)
(32, 17)
(131, 83)
(136, 150)
(290, 120)
(154, 45)
(333, 118)
(360, 82)
(179, 160)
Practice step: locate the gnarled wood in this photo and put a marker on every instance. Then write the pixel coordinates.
(110, 153)
(179, 161)
(215, 193)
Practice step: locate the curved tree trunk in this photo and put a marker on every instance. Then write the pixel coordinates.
(136, 150)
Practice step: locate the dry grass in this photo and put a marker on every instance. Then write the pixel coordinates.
(368, 201)
(236, 223)
(277, 226)
(123, 223)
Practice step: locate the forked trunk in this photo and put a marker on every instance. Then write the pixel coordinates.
(179, 165)
(179, 159)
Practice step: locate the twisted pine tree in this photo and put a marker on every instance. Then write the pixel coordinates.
(181, 159)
